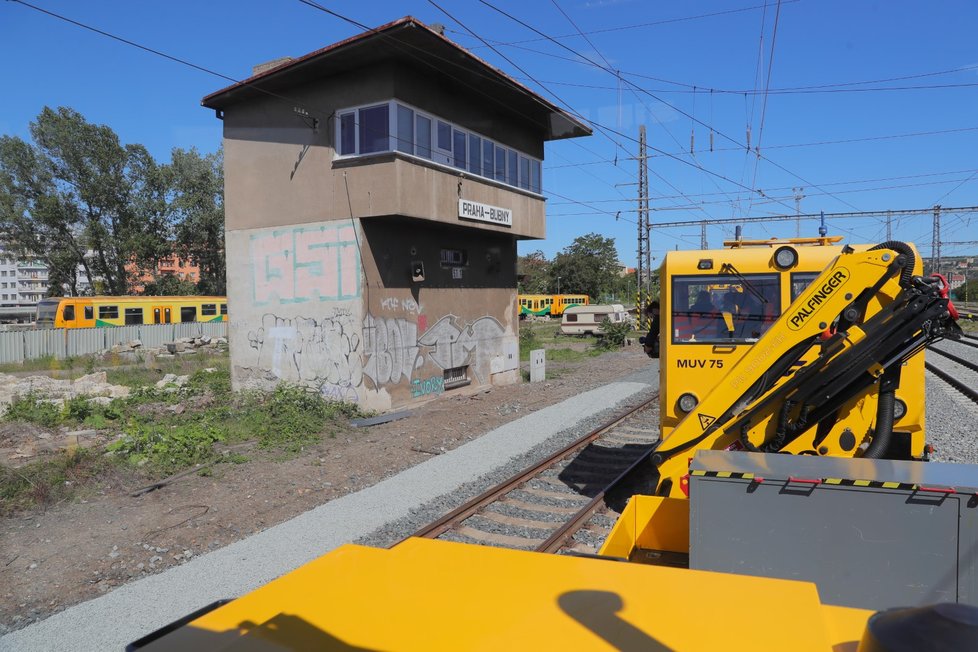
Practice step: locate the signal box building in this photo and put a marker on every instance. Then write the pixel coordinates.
(374, 193)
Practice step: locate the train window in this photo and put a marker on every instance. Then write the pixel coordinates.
(69, 313)
(800, 281)
(750, 302)
(208, 308)
(134, 316)
(89, 312)
(224, 308)
(108, 312)
(46, 310)
(188, 313)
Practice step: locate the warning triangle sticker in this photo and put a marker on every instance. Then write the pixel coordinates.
(705, 421)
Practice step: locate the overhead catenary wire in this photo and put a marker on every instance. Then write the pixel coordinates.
(652, 95)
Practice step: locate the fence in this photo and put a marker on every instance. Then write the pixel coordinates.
(17, 346)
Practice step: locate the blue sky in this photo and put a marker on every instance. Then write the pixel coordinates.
(687, 69)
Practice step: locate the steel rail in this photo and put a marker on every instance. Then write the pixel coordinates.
(464, 511)
(565, 532)
(952, 381)
(950, 356)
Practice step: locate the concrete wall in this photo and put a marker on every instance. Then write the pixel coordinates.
(332, 306)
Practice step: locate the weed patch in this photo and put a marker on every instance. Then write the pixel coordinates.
(45, 483)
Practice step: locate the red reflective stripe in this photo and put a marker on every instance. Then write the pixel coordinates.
(938, 490)
(804, 480)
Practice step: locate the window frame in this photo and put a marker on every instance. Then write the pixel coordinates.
(108, 312)
(208, 310)
(718, 279)
(494, 165)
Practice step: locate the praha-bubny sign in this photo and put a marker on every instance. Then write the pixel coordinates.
(471, 210)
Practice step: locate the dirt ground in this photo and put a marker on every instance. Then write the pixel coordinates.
(73, 552)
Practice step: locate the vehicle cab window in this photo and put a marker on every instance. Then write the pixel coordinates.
(722, 309)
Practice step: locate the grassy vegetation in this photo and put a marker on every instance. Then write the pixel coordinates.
(71, 367)
(166, 430)
(567, 348)
(62, 477)
(139, 374)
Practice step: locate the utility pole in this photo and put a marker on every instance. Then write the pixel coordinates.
(798, 197)
(935, 245)
(644, 270)
(889, 230)
(703, 243)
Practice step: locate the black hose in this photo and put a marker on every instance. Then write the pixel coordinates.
(884, 426)
(906, 250)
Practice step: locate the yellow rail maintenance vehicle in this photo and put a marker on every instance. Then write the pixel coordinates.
(103, 312)
(716, 305)
(734, 543)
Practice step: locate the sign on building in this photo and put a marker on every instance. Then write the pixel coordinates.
(471, 210)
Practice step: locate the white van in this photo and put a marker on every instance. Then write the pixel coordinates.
(586, 320)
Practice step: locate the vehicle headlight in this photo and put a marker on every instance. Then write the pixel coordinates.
(785, 257)
(688, 401)
(899, 410)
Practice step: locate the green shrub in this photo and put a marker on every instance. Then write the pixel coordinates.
(33, 409)
(614, 334)
(166, 446)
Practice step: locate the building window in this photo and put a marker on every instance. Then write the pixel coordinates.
(374, 129)
(348, 133)
(394, 126)
(423, 132)
(108, 312)
(208, 309)
(134, 316)
(475, 154)
(458, 140)
(405, 130)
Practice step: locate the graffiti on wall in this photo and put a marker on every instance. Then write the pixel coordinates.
(308, 263)
(334, 354)
(321, 353)
(390, 350)
(456, 344)
(394, 304)
(433, 385)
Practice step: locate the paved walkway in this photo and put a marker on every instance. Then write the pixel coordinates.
(113, 620)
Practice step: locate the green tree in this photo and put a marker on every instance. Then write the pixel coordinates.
(197, 201)
(533, 273)
(589, 265)
(170, 285)
(78, 198)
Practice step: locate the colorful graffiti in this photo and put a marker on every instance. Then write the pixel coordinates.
(433, 385)
(313, 263)
(321, 353)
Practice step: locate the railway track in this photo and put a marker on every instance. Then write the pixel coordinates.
(563, 504)
(956, 363)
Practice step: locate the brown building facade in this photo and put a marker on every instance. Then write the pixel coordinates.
(375, 191)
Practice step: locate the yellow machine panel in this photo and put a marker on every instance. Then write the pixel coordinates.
(716, 304)
(434, 595)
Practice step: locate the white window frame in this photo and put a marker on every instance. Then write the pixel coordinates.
(441, 156)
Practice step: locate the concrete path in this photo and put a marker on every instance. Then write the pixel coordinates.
(111, 621)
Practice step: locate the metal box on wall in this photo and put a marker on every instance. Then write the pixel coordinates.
(870, 533)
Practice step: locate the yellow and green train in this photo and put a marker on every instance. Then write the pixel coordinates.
(103, 312)
(553, 305)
